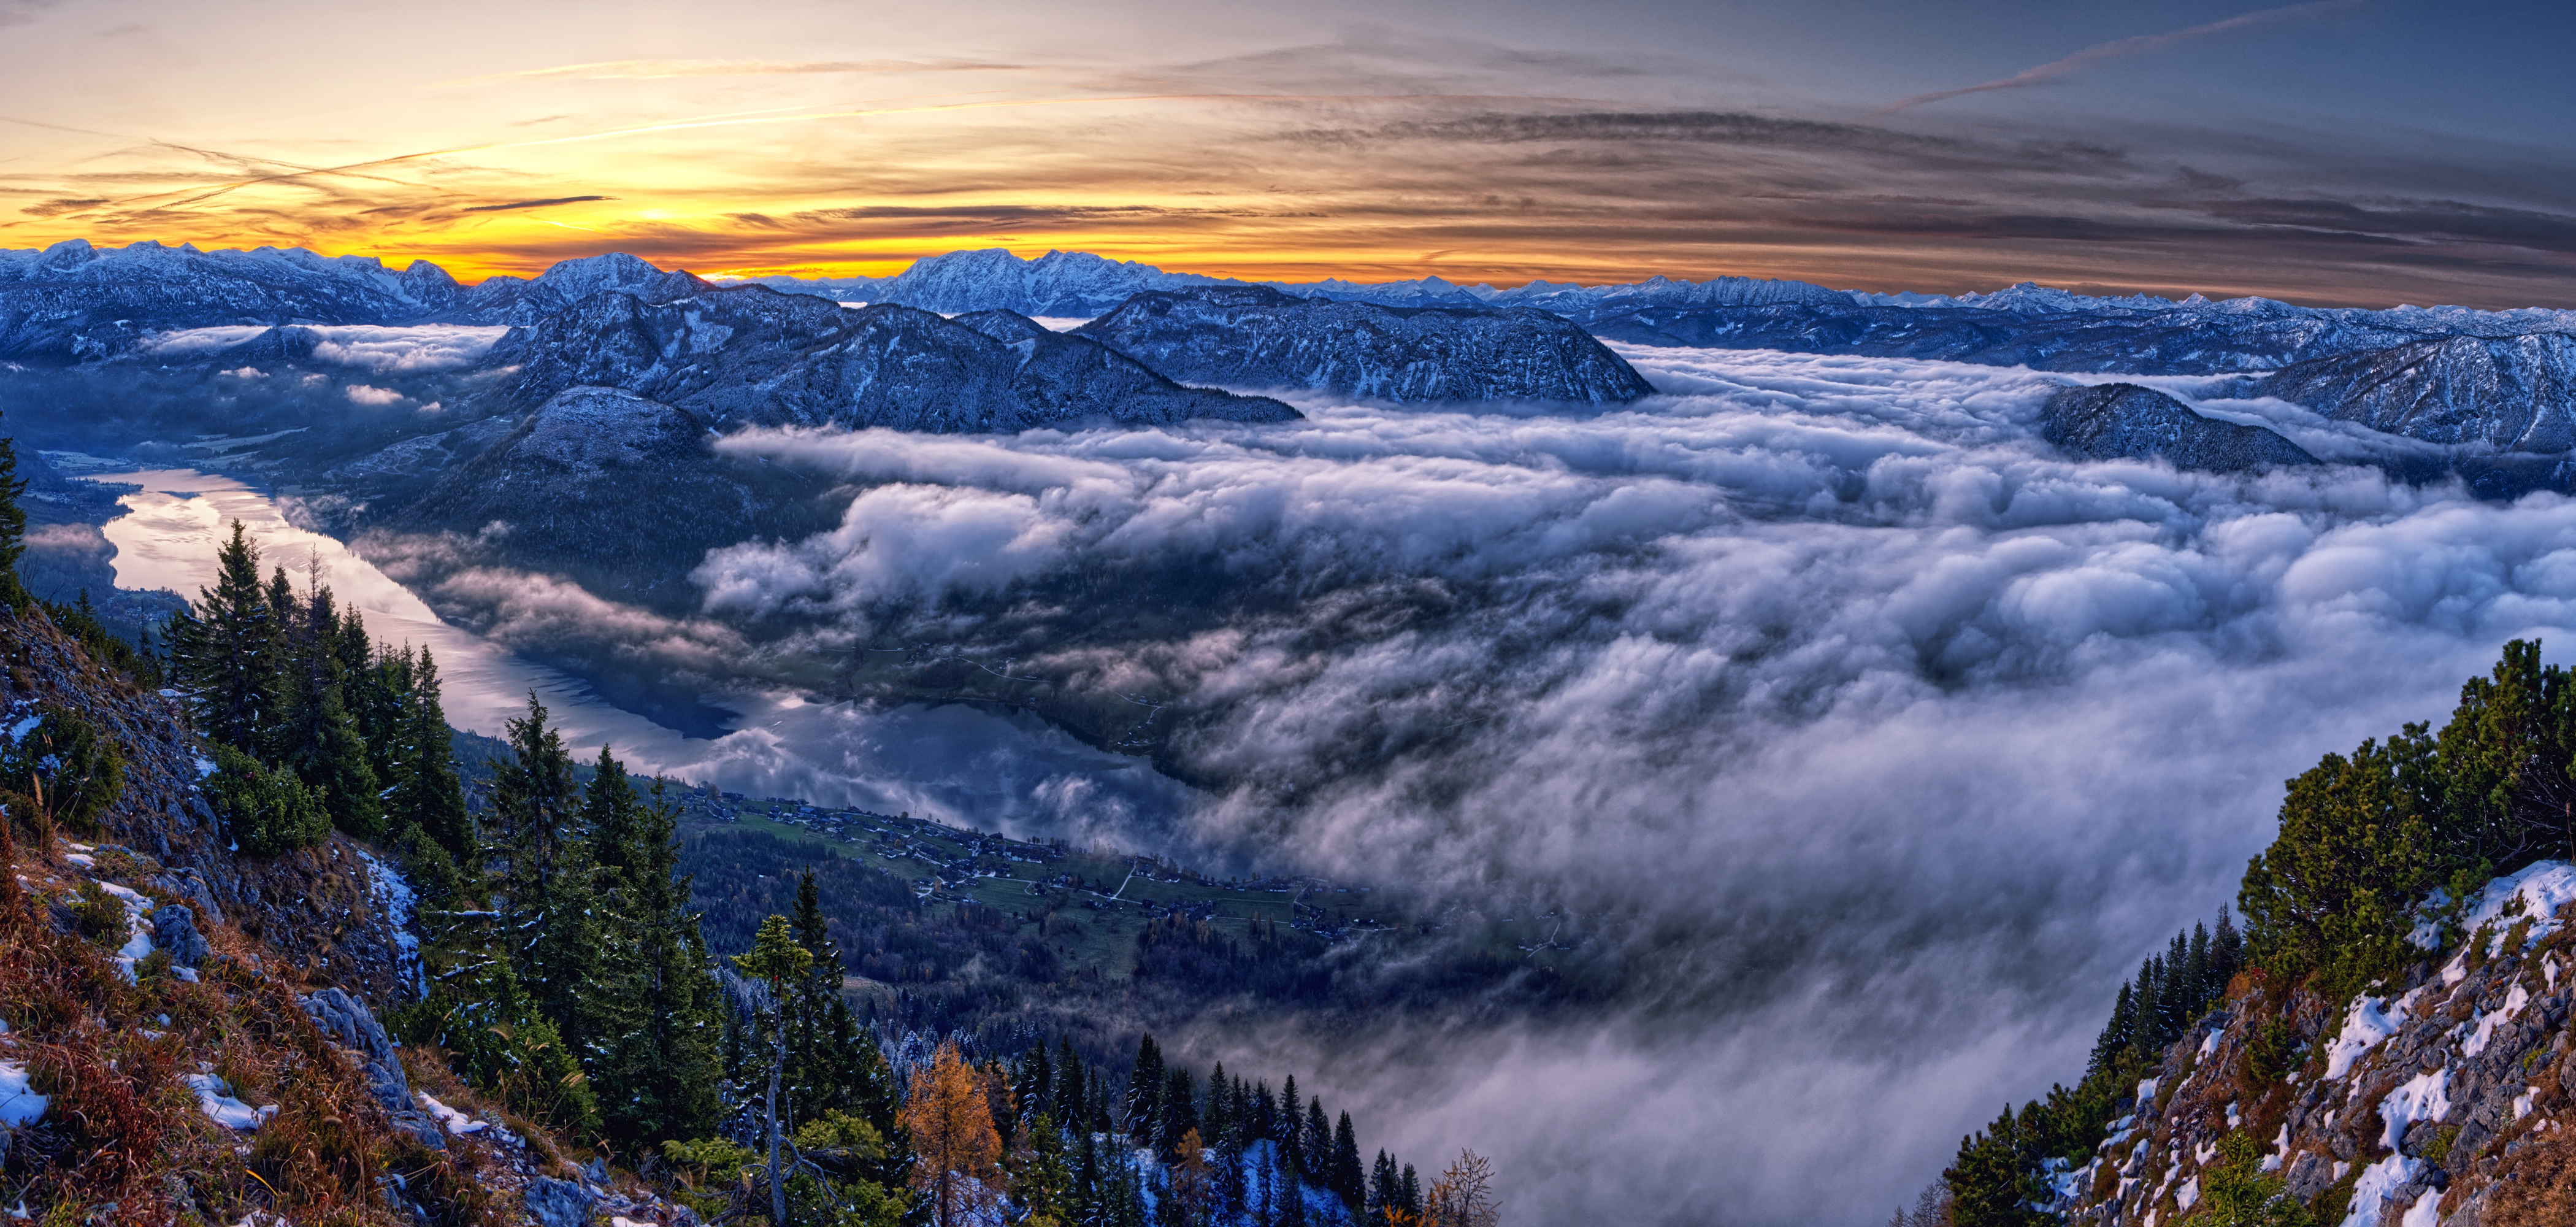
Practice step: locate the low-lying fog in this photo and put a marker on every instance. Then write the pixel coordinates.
(1889, 739)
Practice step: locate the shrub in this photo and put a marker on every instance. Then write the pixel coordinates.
(64, 770)
(268, 810)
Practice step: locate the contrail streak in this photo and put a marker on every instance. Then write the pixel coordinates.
(683, 125)
(2137, 45)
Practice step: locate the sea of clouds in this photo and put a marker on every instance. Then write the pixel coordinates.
(1880, 739)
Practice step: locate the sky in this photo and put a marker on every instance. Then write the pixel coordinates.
(2365, 152)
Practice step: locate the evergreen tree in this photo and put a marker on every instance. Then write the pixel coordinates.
(659, 1067)
(1179, 1110)
(425, 805)
(2118, 1033)
(225, 651)
(13, 529)
(315, 737)
(1145, 1092)
(1347, 1179)
(1288, 1127)
(547, 906)
(1385, 1190)
(1315, 1144)
(777, 960)
(1411, 1186)
(1071, 1104)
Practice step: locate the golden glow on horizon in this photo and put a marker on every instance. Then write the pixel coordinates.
(1296, 165)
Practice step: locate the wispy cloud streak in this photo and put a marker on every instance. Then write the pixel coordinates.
(2118, 48)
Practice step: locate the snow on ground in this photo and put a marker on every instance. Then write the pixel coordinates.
(456, 1122)
(216, 1100)
(2542, 887)
(397, 902)
(2423, 1097)
(20, 1105)
(138, 933)
(2378, 1182)
(2514, 1000)
(2368, 1023)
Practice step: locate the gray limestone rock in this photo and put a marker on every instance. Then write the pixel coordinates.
(348, 1021)
(558, 1203)
(174, 928)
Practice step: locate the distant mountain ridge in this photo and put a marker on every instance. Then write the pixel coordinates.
(2496, 381)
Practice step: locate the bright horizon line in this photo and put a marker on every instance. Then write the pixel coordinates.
(488, 268)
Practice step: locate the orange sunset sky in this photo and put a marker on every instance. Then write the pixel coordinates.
(2168, 148)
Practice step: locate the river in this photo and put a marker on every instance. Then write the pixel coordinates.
(1010, 773)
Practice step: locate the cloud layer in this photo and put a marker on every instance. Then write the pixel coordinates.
(1873, 739)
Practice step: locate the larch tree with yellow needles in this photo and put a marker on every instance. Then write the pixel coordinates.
(957, 1151)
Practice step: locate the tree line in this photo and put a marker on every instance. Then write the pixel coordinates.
(568, 977)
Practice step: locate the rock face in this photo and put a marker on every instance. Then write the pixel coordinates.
(750, 355)
(2124, 420)
(2442, 1098)
(616, 489)
(1255, 337)
(2516, 394)
(349, 1023)
(174, 928)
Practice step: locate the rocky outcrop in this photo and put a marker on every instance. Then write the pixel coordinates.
(2117, 420)
(750, 355)
(2448, 1097)
(1252, 337)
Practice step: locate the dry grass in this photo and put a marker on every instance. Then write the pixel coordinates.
(124, 1140)
(2536, 1187)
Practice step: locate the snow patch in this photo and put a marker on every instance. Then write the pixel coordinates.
(397, 902)
(217, 1102)
(2426, 1212)
(2378, 1183)
(456, 1122)
(2423, 1097)
(18, 732)
(2367, 1023)
(20, 1105)
(2543, 887)
(2514, 1000)
(205, 766)
(2188, 1195)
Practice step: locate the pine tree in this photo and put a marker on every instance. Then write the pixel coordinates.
(425, 805)
(547, 906)
(1411, 1185)
(2118, 1033)
(1289, 1126)
(1385, 1191)
(226, 649)
(1315, 1144)
(778, 961)
(315, 737)
(13, 529)
(1180, 1113)
(1145, 1092)
(658, 1072)
(1347, 1179)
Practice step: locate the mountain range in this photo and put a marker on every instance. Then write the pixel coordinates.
(2495, 388)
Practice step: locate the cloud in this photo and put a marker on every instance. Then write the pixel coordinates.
(368, 394)
(645, 70)
(418, 347)
(1868, 740)
(532, 204)
(2118, 48)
